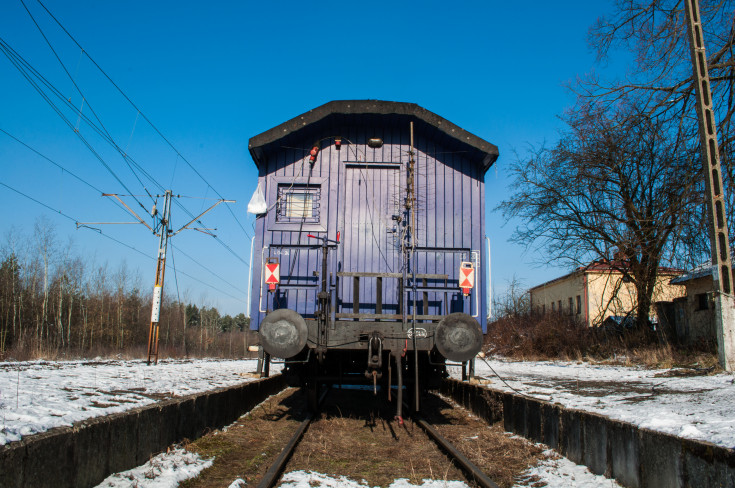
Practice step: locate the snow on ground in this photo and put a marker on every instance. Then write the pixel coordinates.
(697, 407)
(168, 469)
(556, 473)
(39, 395)
(163, 471)
(560, 472)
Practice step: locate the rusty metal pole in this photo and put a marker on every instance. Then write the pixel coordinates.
(158, 286)
(719, 237)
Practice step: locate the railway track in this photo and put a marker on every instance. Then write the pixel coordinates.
(355, 434)
(471, 471)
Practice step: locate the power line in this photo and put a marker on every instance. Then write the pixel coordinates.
(29, 72)
(51, 161)
(22, 66)
(220, 241)
(153, 126)
(208, 270)
(57, 211)
(62, 168)
(82, 94)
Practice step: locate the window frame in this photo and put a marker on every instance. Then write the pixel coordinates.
(319, 183)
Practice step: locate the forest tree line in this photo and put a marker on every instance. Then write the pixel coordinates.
(56, 304)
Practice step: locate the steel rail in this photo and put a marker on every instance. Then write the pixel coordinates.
(468, 466)
(274, 472)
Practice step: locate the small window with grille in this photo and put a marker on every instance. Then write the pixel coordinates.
(298, 203)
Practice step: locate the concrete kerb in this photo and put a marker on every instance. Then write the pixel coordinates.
(11, 457)
(634, 456)
(570, 437)
(594, 444)
(661, 460)
(551, 415)
(84, 454)
(698, 459)
(49, 459)
(88, 437)
(123, 432)
(624, 453)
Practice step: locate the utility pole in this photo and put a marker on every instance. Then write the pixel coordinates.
(719, 237)
(163, 230)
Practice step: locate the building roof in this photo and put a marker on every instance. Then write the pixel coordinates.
(601, 266)
(702, 271)
(480, 149)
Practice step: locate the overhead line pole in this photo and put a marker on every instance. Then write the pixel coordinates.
(709, 151)
(163, 231)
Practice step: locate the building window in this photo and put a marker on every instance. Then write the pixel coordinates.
(298, 203)
(543, 309)
(579, 304)
(559, 302)
(571, 306)
(702, 301)
(553, 307)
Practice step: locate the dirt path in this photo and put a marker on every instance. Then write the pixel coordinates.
(356, 436)
(248, 447)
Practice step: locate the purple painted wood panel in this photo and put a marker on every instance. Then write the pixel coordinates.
(450, 219)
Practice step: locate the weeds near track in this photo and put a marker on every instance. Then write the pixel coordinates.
(556, 336)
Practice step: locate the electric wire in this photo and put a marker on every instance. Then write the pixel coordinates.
(176, 275)
(84, 98)
(57, 211)
(28, 72)
(153, 126)
(79, 178)
(208, 270)
(19, 64)
(506, 384)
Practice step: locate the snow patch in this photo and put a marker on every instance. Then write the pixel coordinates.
(166, 470)
(647, 398)
(39, 395)
(559, 472)
(312, 479)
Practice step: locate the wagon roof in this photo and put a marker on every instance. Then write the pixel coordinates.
(483, 151)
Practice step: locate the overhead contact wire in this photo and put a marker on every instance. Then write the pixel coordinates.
(153, 126)
(57, 211)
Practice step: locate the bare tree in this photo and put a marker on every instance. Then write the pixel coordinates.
(661, 80)
(514, 302)
(616, 179)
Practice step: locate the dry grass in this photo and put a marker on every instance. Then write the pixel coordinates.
(500, 455)
(249, 446)
(358, 438)
(557, 336)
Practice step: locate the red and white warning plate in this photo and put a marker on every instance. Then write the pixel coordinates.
(466, 277)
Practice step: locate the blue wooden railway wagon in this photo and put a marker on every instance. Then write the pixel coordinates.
(372, 209)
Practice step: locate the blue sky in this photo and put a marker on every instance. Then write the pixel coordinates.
(210, 75)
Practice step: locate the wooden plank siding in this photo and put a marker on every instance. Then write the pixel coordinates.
(449, 220)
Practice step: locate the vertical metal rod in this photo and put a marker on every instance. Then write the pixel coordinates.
(250, 277)
(160, 274)
(412, 196)
(489, 286)
(399, 378)
(379, 295)
(356, 294)
(719, 236)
